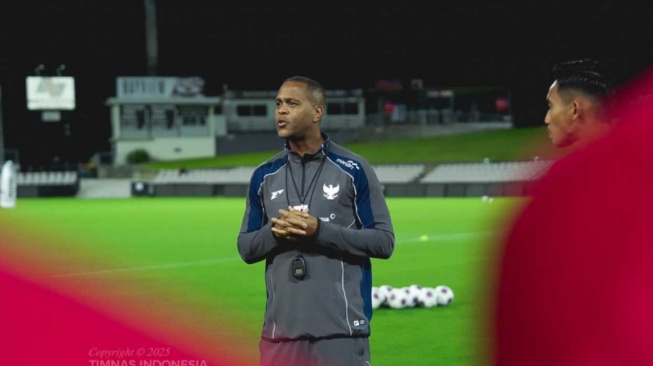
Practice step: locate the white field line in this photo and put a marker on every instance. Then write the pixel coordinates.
(175, 265)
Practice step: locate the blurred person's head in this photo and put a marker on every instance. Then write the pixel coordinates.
(577, 101)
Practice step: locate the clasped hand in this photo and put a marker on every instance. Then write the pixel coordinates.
(293, 224)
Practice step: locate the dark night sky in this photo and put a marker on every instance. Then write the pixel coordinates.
(500, 43)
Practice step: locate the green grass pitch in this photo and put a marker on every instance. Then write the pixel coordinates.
(181, 254)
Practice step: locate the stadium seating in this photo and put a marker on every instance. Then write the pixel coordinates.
(47, 183)
(401, 173)
(46, 178)
(483, 179)
(515, 171)
(412, 180)
(205, 176)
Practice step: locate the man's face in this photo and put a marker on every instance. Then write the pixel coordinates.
(295, 115)
(560, 118)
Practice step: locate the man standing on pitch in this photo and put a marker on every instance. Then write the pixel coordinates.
(316, 214)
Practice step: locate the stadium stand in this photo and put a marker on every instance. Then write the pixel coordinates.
(399, 180)
(487, 172)
(207, 176)
(202, 182)
(47, 183)
(407, 180)
(401, 173)
(484, 179)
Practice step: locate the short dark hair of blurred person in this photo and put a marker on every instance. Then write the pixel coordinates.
(575, 271)
(578, 99)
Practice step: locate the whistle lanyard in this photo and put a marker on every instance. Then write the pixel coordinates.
(302, 195)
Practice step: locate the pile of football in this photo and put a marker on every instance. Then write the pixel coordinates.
(411, 296)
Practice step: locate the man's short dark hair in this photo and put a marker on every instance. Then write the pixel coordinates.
(585, 75)
(314, 89)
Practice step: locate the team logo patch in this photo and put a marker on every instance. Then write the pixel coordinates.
(331, 192)
(276, 194)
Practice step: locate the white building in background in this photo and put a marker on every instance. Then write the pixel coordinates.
(168, 117)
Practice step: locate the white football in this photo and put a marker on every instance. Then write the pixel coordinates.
(384, 292)
(398, 298)
(413, 292)
(378, 297)
(444, 295)
(427, 298)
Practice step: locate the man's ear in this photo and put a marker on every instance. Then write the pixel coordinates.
(578, 109)
(318, 112)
